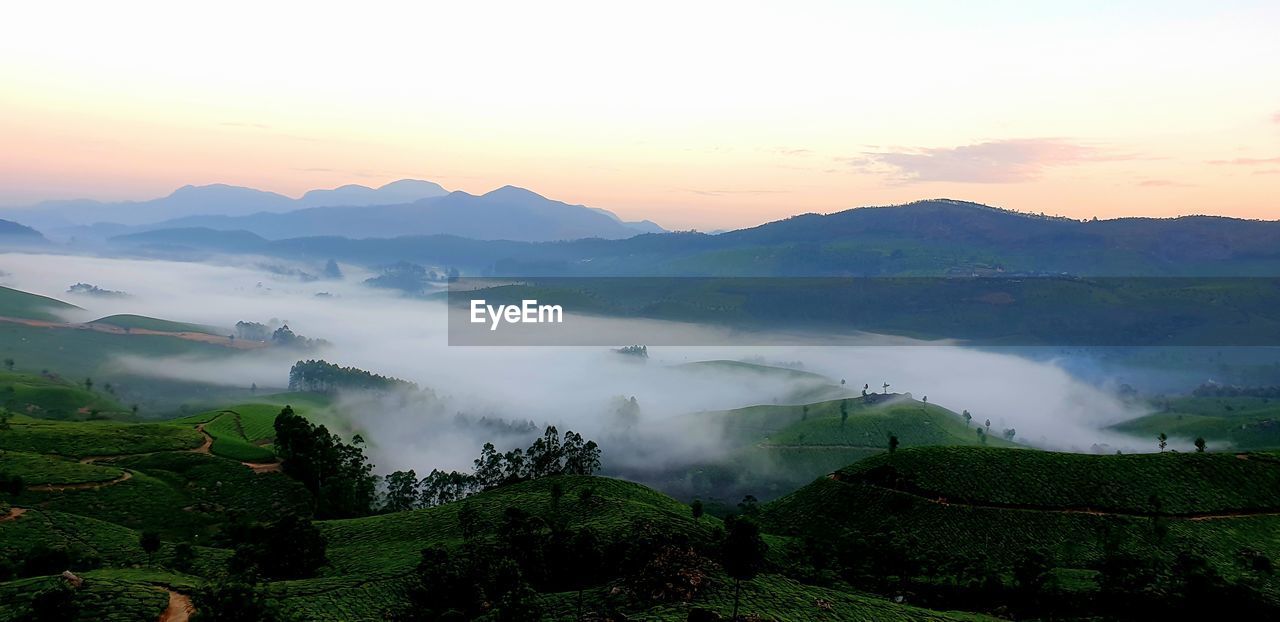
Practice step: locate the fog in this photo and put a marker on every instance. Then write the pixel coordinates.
(571, 387)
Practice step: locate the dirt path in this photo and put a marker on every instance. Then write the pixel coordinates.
(239, 344)
(179, 609)
(13, 514)
(1191, 516)
(126, 476)
(208, 440)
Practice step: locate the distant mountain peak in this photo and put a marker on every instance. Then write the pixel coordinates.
(511, 193)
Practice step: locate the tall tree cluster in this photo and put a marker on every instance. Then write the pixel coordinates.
(549, 455)
(323, 376)
(338, 474)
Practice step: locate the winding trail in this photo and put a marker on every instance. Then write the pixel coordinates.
(179, 609)
(1190, 516)
(204, 448)
(13, 514)
(124, 477)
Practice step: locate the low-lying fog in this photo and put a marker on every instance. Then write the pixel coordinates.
(573, 388)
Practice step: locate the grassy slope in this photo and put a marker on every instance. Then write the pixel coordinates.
(370, 555)
(20, 304)
(36, 469)
(244, 431)
(976, 481)
(1238, 422)
(78, 439)
(179, 494)
(773, 449)
(126, 320)
(52, 397)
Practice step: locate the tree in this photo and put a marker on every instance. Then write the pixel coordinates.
(696, 509)
(987, 425)
(150, 542)
(402, 491)
(893, 443)
(749, 506)
(804, 412)
(1200, 444)
(289, 548)
(844, 412)
(967, 418)
(88, 384)
(1031, 571)
(8, 364)
(581, 457)
(232, 600)
(184, 556)
(332, 271)
(585, 563)
(741, 554)
(337, 474)
(1163, 440)
(56, 604)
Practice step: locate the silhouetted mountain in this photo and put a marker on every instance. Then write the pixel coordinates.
(924, 238)
(13, 234)
(214, 199)
(508, 213)
(396, 192)
(940, 237)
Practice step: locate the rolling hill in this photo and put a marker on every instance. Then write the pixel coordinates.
(960, 510)
(1238, 422)
(925, 238)
(769, 450)
(16, 303)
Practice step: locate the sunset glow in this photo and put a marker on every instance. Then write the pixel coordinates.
(711, 116)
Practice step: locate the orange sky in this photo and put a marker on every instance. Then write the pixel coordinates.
(713, 116)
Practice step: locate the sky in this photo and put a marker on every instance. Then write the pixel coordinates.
(700, 115)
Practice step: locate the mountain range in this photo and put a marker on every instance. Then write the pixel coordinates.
(925, 238)
(405, 207)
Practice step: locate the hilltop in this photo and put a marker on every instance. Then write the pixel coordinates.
(925, 238)
(965, 512)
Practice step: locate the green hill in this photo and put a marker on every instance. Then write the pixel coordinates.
(1236, 422)
(957, 511)
(128, 321)
(773, 449)
(19, 304)
(52, 397)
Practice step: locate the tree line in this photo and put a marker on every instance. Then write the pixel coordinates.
(325, 377)
(547, 456)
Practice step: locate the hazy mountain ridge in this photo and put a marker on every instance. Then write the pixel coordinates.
(220, 199)
(923, 238)
(405, 207)
(508, 213)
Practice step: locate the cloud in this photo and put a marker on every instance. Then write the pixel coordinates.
(1247, 161)
(992, 162)
(1162, 183)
